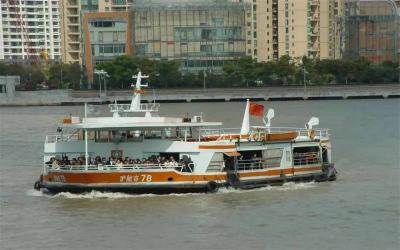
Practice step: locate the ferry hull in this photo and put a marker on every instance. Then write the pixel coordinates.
(238, 180)
(128, 189)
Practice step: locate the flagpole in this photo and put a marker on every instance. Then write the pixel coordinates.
(86, 142)
(86, 150)
(246, 120)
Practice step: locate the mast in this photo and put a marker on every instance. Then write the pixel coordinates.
(135, 106)
(136, 98)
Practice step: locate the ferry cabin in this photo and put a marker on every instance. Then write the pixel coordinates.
(207, 156)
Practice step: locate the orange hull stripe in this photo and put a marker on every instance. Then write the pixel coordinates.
(140, 177)
(275, 172)
(120, 177)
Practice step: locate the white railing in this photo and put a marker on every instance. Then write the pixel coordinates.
(274, 162)
(123, 167)
(306, 158)
(150, 107)
(61, 138)
(219, 131)
(320, 133)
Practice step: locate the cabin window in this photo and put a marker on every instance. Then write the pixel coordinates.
(103, 136)
(251, 159)
(325, 155)
(306, 155)
(272, 157)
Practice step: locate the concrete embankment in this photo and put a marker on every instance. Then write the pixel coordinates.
(70, 97)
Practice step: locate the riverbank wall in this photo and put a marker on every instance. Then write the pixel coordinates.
(70, 97)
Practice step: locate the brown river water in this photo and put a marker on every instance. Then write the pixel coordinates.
(361, 210)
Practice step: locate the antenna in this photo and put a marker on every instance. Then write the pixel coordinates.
(268, 117)
(314, 121)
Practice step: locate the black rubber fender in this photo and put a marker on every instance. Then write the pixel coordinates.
(37, 185)
(212, 187)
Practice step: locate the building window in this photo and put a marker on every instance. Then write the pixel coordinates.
(205, 48)
(205, 34)
(100, 36)
(141, 49)
(218, 21)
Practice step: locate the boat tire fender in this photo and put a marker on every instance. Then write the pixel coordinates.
(212, 187)
(37, 185)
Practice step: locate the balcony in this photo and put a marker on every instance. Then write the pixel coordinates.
(74, 47)
(73, 24)
(314, 18)
(72, 14)
(314, 32)
(314, 48)
(71, 41)
(72, 4)
(118, 2)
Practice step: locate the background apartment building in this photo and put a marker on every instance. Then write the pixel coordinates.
(295, 28)
(72, 12)
(201, 35)
(371, 29)
(29, 28)
(106, 35)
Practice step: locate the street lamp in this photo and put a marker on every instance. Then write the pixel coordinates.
(204, 79)
(102, 75)
(304, 77)
(105, 85)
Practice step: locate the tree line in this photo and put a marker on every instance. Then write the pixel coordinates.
(53, 76)
(245, 72)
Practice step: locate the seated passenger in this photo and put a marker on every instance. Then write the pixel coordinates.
(55, 165)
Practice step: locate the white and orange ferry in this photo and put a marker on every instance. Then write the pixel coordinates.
(137, 151)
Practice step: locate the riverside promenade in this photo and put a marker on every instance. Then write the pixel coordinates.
(70, 97)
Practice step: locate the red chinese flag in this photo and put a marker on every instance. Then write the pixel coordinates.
(256, 109)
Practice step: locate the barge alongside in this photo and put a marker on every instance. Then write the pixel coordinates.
(137, 151)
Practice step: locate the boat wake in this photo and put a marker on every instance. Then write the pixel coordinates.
(290, 186)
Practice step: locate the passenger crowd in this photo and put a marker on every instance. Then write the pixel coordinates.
(101, 161)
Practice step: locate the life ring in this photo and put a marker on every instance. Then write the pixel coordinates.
(212, 187)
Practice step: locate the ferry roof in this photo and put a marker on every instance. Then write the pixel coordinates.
(106, 123)
(140, 125)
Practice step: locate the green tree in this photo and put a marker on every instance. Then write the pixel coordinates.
(168, 73)
(266, 72)
(285, 69)
(233, 78)
(72, 76)
(247, 66)
(120, 71)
